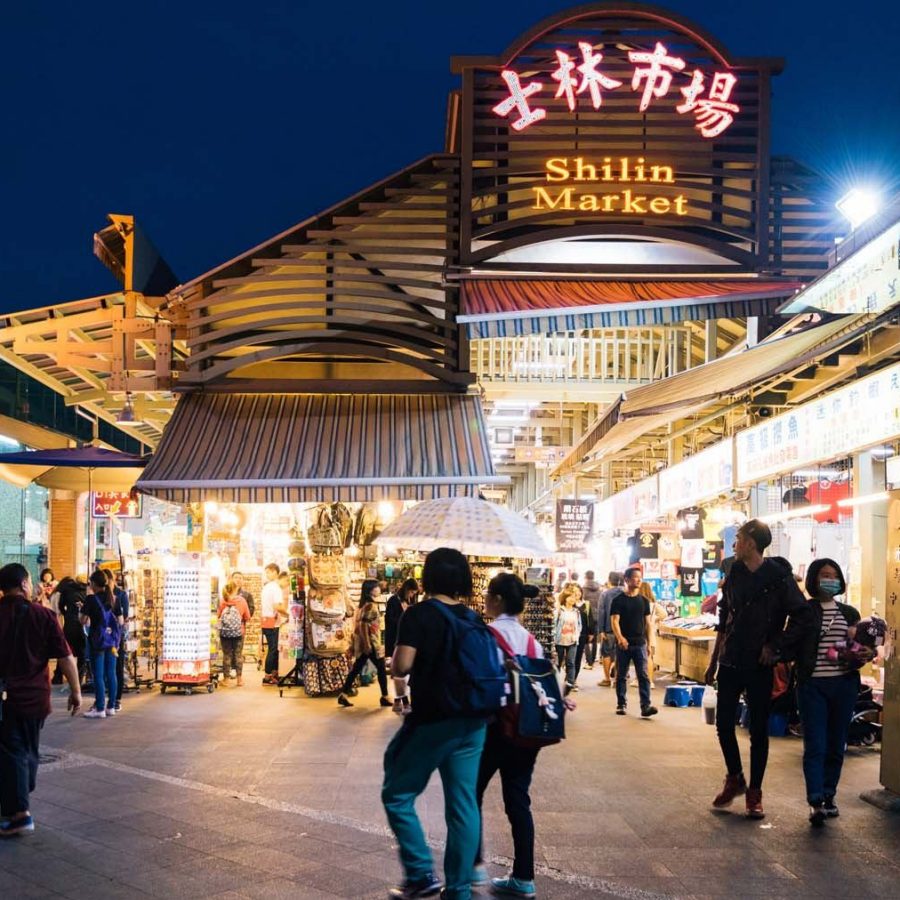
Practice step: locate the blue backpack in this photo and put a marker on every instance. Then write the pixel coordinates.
(107, 635)
(474, 678)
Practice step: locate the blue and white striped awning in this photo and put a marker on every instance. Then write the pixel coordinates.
(291, 448)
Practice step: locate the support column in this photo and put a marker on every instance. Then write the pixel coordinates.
(870, 536)
(711, 340)
(63, 529)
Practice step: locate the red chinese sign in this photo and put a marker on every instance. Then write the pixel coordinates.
(653, 73)
(105, 504)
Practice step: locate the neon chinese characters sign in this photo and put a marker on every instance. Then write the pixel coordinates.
(654, 70)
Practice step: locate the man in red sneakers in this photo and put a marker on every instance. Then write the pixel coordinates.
(758, 596)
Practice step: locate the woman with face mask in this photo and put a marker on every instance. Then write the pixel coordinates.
(828, 689)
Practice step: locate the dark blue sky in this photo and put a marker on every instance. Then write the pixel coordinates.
(219, 124)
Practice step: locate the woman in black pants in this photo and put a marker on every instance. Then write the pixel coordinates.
(367, 644)
(505, 601)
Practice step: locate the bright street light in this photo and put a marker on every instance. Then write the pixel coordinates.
(858, 205)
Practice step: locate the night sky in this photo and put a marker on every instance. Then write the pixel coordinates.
(220, 124)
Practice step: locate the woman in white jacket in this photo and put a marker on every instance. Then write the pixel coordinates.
(568, 631)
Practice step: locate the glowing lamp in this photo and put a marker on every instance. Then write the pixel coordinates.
(858, 205)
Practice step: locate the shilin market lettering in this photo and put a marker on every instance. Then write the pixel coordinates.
(568, 178)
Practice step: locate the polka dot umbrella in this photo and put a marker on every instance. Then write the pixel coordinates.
(474, 527)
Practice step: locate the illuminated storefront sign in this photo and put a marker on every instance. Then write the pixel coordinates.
(105, 504)
(868, 281)
(579, 175)
(700, 477)
(637, 503)
(864, 413)
(652, 77)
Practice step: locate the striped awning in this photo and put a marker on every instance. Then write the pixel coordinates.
(287, 448)
(494, 307)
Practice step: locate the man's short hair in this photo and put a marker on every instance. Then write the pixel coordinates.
(12, 576)
(631, 571)
(615, 578)
(758, 532)
(273, 567)
(589, 573)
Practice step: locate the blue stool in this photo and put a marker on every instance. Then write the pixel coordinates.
(677, 696)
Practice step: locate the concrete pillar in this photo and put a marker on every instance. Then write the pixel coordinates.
(890, 740)
(870, 536)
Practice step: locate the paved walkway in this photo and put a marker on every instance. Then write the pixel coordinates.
(244, 794)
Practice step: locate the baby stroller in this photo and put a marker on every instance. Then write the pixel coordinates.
(865, 726)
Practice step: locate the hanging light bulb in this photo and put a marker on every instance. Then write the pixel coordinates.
(126, 414)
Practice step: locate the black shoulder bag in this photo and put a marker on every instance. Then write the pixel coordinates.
(17, 629)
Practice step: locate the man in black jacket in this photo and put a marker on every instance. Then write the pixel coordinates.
(758, 597)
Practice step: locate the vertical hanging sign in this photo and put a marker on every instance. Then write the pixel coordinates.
(574, 524)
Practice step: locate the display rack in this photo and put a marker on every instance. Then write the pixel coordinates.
(187, 623)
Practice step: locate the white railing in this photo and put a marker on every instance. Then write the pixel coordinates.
(607, 355)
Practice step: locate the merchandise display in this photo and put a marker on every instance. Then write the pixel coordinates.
(187, 622)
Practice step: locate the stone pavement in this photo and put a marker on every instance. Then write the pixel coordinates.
(244, 794)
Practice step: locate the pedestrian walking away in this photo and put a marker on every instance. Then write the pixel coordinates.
(30, 636)
(592, 593)
(398, 604)
(233, 616)
(104, 618)
(436, 735)
(606, 640)
(629, 616)
(759, 596)
(504, 602)
(367, 644)
(123, 608)
(568, 632)
(829, 685)
(72, 597)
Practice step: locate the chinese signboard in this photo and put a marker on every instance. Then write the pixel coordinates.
(864, 413)
(700, 477)
(707, 99)
(110, 503)
(574, 524)
(865, 282)
(638, 503)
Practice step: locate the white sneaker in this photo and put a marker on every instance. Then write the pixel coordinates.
(95, 714)
(110, 712)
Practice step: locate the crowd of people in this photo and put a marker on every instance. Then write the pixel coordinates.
(451, 691)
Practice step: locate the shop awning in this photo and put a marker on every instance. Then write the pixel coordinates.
(286, 448)
(494, 307)
(655, 405)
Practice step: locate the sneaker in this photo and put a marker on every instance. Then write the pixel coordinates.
(240, 681)
(605, 683)
(512, 887)
(575, 688)
(754, 804)
(401, 706)
(830, 808)
(817, 815)
(111, 712)
(734, 786)
(480, 876)
(343, 701)
(424, 887)
(11, 828)
(95, 714)
(270, 679)
(620, 710)
(567, 689)
(647, 711)
(118, 707)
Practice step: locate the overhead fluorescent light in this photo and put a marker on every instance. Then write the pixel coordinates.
(864, 499)
(805, 512)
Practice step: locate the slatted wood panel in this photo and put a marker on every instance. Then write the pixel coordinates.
(725, 180)
(350, 299)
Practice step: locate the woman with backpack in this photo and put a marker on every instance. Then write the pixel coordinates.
(233, 615)
(505, 602)
(367, 645)
(102, 614)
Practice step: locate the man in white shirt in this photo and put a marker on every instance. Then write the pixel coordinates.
(271, 607)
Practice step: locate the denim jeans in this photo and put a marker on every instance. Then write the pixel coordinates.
(19, 740)
(565, 656)
(757, 682)
(516, 766)
(453, 747)
(826, 707)
(637, 654)
(271, 664)
(103, 664)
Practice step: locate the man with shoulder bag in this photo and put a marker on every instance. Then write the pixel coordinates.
(30, 636)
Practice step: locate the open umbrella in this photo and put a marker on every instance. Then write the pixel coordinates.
(474, 527)
(77, 469)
